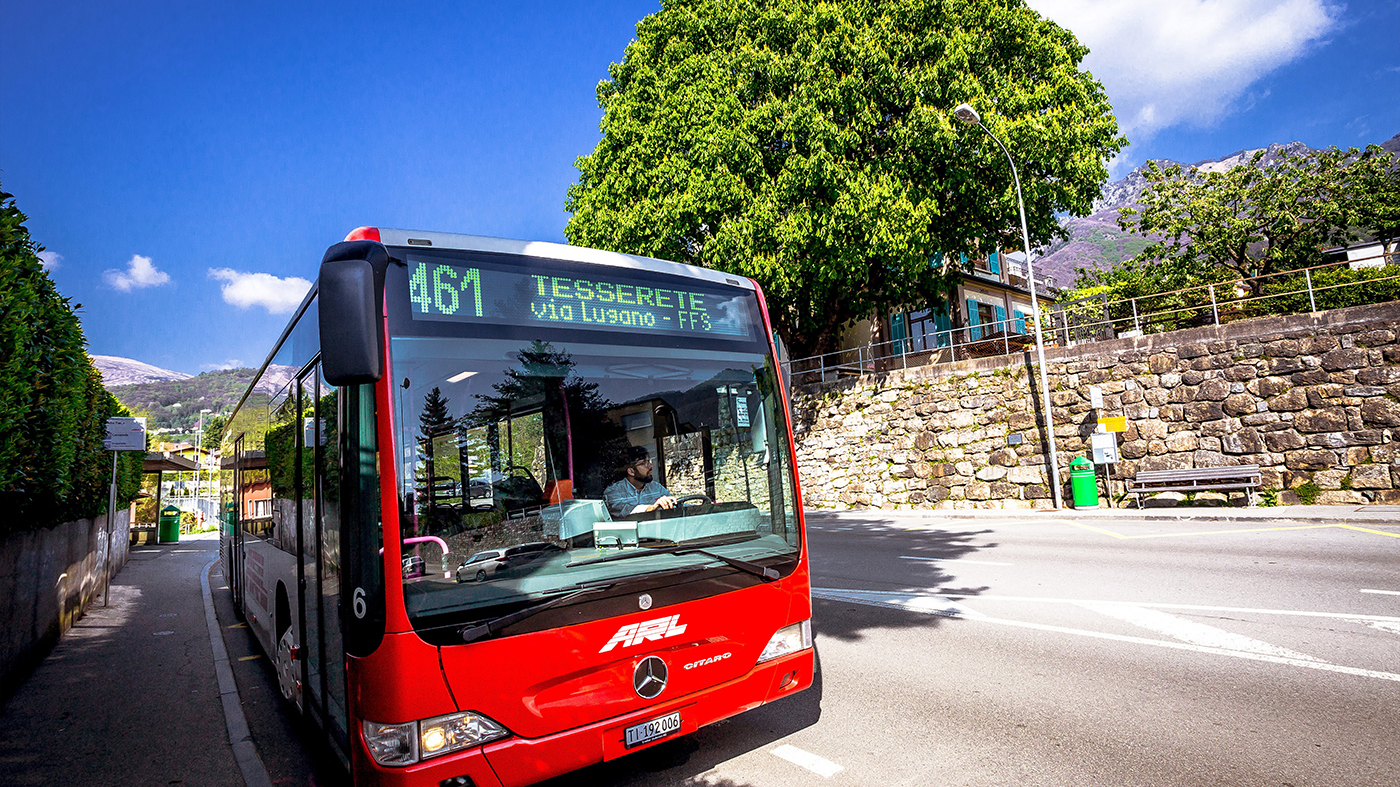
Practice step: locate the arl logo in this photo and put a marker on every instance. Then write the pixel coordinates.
(651, 630)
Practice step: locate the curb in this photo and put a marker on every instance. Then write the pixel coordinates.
(244, 752)
(1340, 517)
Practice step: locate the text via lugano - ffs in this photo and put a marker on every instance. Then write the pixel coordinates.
(443, 292)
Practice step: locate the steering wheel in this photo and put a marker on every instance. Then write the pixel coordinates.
(698, 498)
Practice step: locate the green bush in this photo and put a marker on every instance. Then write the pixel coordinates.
(1307, 493)
(53, 408)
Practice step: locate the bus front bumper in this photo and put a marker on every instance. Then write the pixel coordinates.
(516, 762)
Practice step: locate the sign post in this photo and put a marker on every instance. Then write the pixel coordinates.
(123, 434)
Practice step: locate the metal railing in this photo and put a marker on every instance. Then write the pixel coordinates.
(1371, 279)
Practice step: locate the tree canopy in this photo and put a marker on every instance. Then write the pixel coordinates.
(1261, 218)
(811, 146)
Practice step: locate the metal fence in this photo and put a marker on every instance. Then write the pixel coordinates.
(1374, 278)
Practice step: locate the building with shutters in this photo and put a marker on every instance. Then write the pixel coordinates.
(992, 298)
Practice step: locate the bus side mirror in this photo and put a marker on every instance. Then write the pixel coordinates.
(349, 320)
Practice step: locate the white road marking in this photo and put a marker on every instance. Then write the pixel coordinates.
(1385, 592)
(1380, 625)
(1200, 607)
(1192, 632)
(926, 604)
(951, 560)
(818, 765)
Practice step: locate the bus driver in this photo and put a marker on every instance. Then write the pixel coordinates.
(636, 492)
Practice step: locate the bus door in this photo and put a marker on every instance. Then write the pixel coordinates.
(318, 446)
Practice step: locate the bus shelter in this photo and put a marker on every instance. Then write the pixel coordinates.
(159, 462)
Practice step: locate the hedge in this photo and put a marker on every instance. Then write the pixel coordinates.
(53, 408)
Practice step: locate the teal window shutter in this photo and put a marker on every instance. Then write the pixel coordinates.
(1020, 321)
(899, 331)
(994, 263)
(937, 261)
(1001, 325)
(962, 256)
(943, 323)
(973, 319)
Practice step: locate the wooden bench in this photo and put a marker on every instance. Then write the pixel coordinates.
(1199, 479)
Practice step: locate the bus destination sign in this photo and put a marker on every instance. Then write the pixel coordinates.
(440, 291)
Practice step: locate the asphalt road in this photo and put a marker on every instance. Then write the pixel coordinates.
(1056, 652)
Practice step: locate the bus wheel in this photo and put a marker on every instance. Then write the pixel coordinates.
(288, 679)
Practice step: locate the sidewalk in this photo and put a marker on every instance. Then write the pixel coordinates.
(129, 696)
(1373, 515)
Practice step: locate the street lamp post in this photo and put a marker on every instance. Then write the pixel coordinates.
(968, 115)
(198, 457)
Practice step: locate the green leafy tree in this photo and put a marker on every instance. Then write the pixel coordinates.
(1258, 218)
(810, 145)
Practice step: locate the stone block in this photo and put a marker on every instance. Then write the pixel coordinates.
(1036, 492)
(1388, 497)
(1213, 390)
(1021, 420)
(1189, 351)
(1289, 401)
(1167, 462)
(1380, 412)
(1314, 377)
(1260, 419)
(925, 440)
(1343, 359)
(1309, 459)
(1025, 475)
(1332, 419)
(1371, 477)
(1327, 440)
(1241, 373)
(1133, 449)
(1151, 428)
(1343, 497)
(1375, 338)
(1183, 441)
(1003, 490)
(991, 473)
(1329, 479)
(978, 491)
(1159, 364)
(1270, 386)
(1217, 428)
(1239, 404)
(1270, 477)
(1379, 375)
(1194, 377)
(1285, 366)
(1206, 411)
(1004, 457)
(1245, 441)
(1317, 345)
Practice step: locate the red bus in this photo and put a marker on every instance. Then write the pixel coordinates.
(533, 506)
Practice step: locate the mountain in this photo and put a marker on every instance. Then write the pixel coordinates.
(125, 371)
(172, 406)
(1095, 241)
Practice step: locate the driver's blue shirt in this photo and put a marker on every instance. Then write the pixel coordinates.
(622, 497)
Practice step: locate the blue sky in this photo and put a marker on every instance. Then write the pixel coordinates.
(186, 164)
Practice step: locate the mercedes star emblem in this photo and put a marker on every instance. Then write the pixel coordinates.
(649, 679)
(644, 601)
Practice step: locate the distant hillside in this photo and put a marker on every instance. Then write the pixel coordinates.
(1095, 241)
(125, 371)
(174, 405)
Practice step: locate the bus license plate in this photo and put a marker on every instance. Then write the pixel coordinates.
(651, 730)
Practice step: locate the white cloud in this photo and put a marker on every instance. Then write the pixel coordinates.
(277, 295)
(50, 259)
(1171, 62)
(139, 275)
(231, 363)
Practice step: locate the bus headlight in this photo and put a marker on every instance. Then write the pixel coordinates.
(789, 639)
(457, 731)
(406, 744)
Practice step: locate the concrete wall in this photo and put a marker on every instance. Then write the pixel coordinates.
(47, 580)
(1309, 398)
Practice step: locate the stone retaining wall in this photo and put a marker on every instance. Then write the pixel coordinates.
(1310, 398)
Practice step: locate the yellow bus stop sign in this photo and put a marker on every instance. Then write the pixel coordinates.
(1114, 423)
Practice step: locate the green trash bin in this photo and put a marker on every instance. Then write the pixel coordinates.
(1083, 483)
(168, 528)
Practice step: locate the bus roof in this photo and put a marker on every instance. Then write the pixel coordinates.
(416, 239)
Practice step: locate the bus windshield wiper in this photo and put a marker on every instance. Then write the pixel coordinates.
(494, 625)
(766, 573)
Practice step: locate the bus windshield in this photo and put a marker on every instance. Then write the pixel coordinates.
(539, 454)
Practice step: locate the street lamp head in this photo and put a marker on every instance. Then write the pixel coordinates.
(967, 114)
(206, 411)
